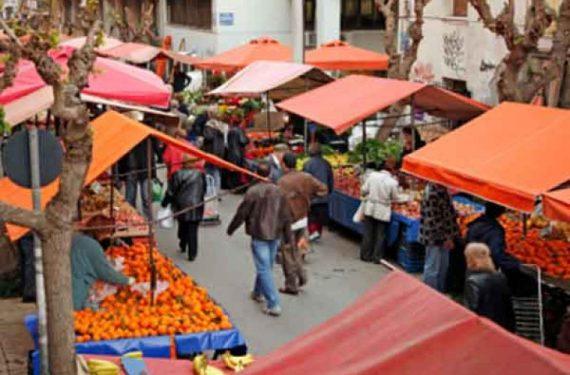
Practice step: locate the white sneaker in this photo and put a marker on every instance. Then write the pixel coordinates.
(314, 236)
(276, 311)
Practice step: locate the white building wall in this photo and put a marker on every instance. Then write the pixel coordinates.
(458, 47)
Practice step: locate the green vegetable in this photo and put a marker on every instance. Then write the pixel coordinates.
(376, 151)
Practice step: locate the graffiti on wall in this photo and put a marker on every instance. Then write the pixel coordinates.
(423, 72)
(454, 51)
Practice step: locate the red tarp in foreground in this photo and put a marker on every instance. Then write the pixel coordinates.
(345, 102)
(114, 135)
(511, 155)
(402, 326)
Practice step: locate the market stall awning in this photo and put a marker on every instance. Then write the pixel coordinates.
(110, 79)
(401, 326)
(345, 102)
(180, 57)
(237, 58)
(114, 135)
(28, 106)
(556, 205)
(511, 155)
(279, 79)
(339, 55)
(76, 43)
(135, 53)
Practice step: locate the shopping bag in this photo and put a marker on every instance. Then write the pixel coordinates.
(164, 217)
(157, 191)
(359, 214)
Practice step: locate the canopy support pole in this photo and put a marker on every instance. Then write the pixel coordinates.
(150, 221)
(524, 226)
(364, 145)
(413, 123)
(40, 286)
(268, 116)
(111, 201)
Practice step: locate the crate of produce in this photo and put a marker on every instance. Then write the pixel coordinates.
(411, 258)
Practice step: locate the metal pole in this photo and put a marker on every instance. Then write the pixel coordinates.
(40, 287)
(150, 221)
(306, 133)
(364, 145)
(268, 117)
(413, 123)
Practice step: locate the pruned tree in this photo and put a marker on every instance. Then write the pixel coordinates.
(401, 62)
(131, 27)
(520, 75)
(54, 225)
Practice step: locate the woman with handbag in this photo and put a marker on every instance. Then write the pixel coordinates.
(186, 191)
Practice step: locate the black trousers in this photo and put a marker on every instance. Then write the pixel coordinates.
(188, 237)
(373, 243)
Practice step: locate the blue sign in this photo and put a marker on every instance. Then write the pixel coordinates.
(226, 19)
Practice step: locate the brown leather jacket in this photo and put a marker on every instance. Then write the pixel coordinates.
(265, 212)
(299, 189)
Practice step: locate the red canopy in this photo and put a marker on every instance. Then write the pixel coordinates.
(258, 49)
(345, 102)
(402, 326)
(511, 155)
(136, 53)
(338, 55)
(556, 205)
(114, 135)
(110, 79)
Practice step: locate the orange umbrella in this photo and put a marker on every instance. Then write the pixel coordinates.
(263, 48)
(339, 55)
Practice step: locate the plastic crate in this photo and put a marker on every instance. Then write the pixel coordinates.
(411, 259)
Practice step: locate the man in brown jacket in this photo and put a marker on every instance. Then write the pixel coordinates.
(267, 220)
(299, 189)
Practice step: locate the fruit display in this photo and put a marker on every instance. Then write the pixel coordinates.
(346, 181)
(408, 209)
(182, 308)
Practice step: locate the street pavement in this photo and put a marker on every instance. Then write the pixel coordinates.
(224, 265)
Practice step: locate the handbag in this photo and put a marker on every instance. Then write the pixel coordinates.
(359, 214)
(164, 217)
(157, 191)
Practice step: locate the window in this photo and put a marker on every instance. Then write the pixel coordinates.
(361, 14)
(460, 8)
(310, 8)
(456, 85)
(193, 13)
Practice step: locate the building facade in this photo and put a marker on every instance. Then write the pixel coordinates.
(457, 52)
(208, 27)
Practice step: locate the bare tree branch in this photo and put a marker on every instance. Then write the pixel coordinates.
(22, 217)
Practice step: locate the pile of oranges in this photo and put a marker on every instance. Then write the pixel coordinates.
(183, 308)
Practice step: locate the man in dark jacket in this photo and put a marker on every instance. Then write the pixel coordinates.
(215, 133)
(299, 188)
(267, 220)
(321, 169)
(237, 140)
(187, 188)
(487, 229)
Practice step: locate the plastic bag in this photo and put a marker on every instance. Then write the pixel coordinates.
(157, 190)
(99, 291)
(359, 214)
(164, 217)
(144, 287)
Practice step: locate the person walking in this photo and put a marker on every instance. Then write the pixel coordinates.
(173, 156)
(214, 142)
(267, 220)
(486, 291)
(321, 169)
(237, 141)
(438, 230)
(275, 161)
(377, 193)
(299, 188)
(187, 188)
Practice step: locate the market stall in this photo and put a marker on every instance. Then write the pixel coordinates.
(339, 55)
(401, 326)
(354, 99)
(263, 48)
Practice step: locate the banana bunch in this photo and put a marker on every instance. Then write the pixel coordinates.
(201, 366)
(237, 363)
(100, 367)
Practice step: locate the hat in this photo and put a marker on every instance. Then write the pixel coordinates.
(281, 147)
(135, 115)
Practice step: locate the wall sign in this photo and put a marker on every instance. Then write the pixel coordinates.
(226, 18)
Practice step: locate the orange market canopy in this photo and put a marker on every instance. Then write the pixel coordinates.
(279, 79)
(114, 135)
(556, 205)
(345, 102)
(237, 58)
(401, 326)
(511, 155)
(338, 55)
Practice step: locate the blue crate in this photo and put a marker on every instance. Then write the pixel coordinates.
(411, 260)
